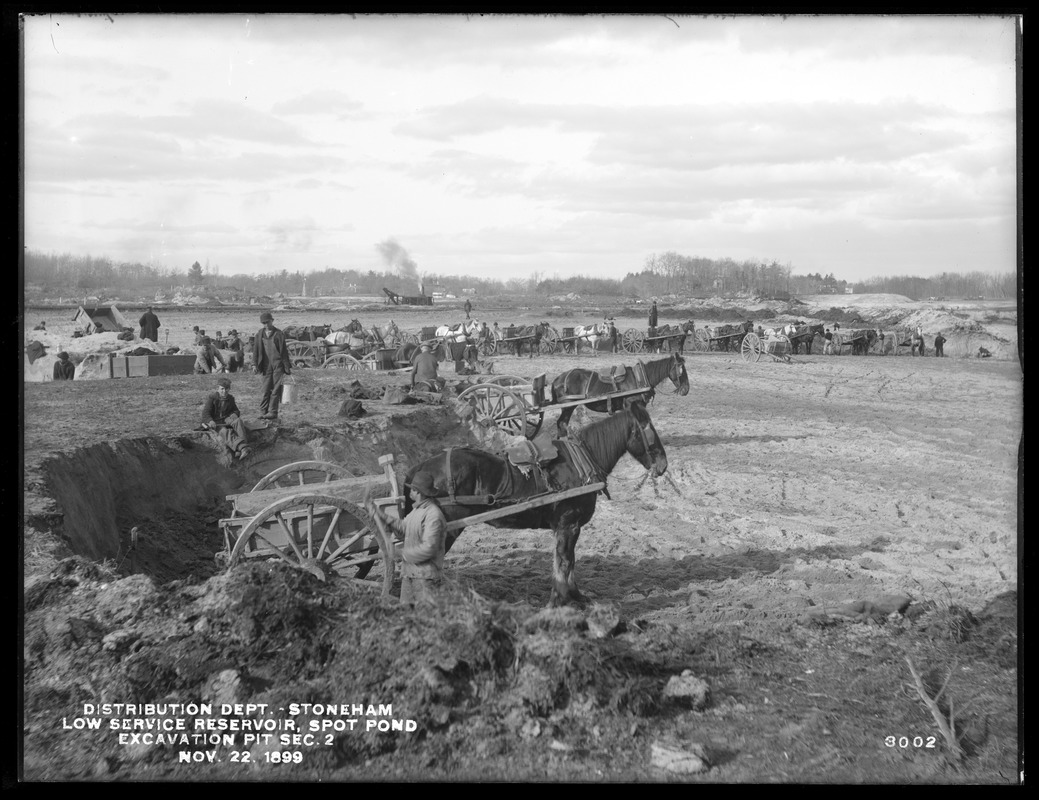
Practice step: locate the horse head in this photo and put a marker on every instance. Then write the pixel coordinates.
(678, 375)
(644, 443)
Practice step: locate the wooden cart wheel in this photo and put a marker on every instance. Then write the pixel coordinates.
(633, 340)
(302, 473)
(319, 533)
(488, 347)
(305, 354)
(700, 341)
(549, 341)
(499, 405)
(343, 361)
(751, 347)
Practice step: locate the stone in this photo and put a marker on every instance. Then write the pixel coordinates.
(687, 690)
(683, 758)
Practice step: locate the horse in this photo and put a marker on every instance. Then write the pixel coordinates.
(804, 335)
(918, 342)
(307, 333)
(591, 334)
(730, 337)
(582, 383)
(473, 479)
(674, 335)
(531, 334)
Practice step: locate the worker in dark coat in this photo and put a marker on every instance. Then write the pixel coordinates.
(939, 345)
(271, 357)
(425, 369)
(64, 370)
(220, 414)
(653, 316)
(149, 325)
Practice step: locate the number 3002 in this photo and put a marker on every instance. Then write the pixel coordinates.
(906, 741)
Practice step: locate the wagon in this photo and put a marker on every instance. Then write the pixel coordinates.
(515, 337)
(722, 337)
(854, 339)
(775, 345)
(311, 515)
(635, 341)
(518, 407)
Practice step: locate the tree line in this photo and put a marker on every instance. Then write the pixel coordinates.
(662, 275)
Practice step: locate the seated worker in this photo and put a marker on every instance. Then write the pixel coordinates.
(208, 357)
(64, 370)
(41, 327)
(424, 369)
(220, 414)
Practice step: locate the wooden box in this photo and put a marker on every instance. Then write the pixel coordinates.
(145, 366)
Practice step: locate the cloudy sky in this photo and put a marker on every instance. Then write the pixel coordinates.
(507, 146)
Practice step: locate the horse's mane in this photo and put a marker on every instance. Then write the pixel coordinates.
(657, 370)
(606, 439)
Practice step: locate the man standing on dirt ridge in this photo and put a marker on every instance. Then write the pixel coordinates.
(271, 357)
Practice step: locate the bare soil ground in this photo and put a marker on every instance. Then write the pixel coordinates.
(830, 520)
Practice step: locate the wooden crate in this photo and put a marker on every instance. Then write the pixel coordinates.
(145, 366)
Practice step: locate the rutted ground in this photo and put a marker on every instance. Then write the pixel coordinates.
(798, 489)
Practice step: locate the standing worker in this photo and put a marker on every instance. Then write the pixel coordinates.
(149, 325)
(425, 531)
(220, 413)
(939, 344)
(64, 370)
(271, 357)
(468, 308)
(653, 316)
(611, 326)
(234, 344)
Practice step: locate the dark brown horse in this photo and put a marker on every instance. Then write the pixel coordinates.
(580, 383)
(530, 335)
(466, 476)
(804, 335)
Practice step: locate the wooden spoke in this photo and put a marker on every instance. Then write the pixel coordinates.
(633, 341)
(498, 405)
(301, 473)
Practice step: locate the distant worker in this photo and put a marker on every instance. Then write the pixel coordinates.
(653, 316)
(614, 334)
(234, 344)
(208, 359)
(219, 340)
(220, 414)
(41, 327)
(828, 347)
(939, 344)
(425, 368)
(425, 533)
(271, 357)
(468, 308)
(64, 370)
(149, 325)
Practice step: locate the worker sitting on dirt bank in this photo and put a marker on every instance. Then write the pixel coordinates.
(220, 414)
(424, 369)
(64, 370)
(424, 531)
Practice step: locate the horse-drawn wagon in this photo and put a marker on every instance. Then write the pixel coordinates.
(541, 338)
(653, 340)
(314, 515)
(773, 344)
(518, 407)
(858, 341)
(725, 338)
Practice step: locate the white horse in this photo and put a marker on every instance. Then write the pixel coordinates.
(591, 334)
(462, 332)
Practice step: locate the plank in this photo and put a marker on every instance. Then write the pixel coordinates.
(352, 489)
(526, 505)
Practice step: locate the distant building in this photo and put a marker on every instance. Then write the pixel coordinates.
(849, 290)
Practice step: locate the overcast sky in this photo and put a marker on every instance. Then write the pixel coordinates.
(504, 146)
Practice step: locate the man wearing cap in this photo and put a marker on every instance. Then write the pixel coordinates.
(653, 317)
(271, 357)
(220, 414)
(611, 328)
(425, 368)
(64, 370)
(424, 531)
(149, 325)
(208, 357)
(234, 344)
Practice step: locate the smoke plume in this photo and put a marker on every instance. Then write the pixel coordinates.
(397, 257)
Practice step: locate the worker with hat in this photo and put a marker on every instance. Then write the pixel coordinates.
(234, 344)
(425, 368)
(271, 357)
(64, 370)
(220, 414)
(149, 325)
(208, 358)
(424, 531)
